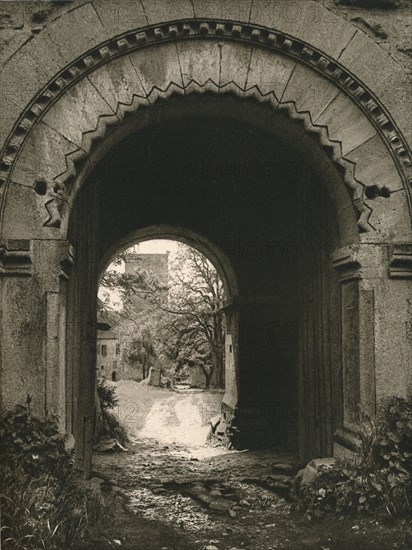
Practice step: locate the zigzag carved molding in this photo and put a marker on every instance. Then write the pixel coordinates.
(234, 31)
(76, 159)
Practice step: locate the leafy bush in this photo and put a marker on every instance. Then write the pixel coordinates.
(107, 424)
(43, 505)
(107, 395)
(115, 429)
(379, 481)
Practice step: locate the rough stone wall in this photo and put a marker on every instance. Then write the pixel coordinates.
(387, 22)
(156, 264)
(20, 21)
(378, 330)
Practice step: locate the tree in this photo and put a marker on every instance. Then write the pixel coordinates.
(196, 318)
(185, 318)
(141, 351)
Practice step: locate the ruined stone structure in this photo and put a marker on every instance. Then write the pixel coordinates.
(274, 136)
(155, 264)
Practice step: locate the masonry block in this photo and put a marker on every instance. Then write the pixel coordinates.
(199, 60)
(345, 123)
(117, 17)
(43, 156)
(117, 82)
(308, 21)
(270, 72)
(82, 29)
(157, 67)
(78, 111)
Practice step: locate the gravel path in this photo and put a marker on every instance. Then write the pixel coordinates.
(181, 495)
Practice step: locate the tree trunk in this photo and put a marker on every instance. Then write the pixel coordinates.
(217, 371)
(208, 377)
(218, 380)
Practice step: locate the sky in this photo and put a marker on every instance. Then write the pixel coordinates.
(158, 246)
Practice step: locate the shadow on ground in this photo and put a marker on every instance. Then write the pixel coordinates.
(181, 496)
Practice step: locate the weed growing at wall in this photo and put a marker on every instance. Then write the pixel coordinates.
(107, 395)
(107, 424)
(378, 482)
(43, 504)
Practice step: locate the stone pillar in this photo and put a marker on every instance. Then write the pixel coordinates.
(230, 398)
(154, 376)
(394, 326)
(376, 332)
(81, 354)
(53, 260)
(33, 324)
(22, 312)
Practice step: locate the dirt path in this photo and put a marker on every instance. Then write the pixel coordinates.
(183, 496)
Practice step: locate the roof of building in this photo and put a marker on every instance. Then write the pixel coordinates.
(106, 335)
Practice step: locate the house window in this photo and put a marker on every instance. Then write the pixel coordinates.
(104, 350)
(117, 349)
(102, 367)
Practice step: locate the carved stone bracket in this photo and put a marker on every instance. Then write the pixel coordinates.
(192, 29)
(347, 264)
(55, 197)
(16, 258)
(371, 261)
(362, 209)
(400, 261)
(67, 260)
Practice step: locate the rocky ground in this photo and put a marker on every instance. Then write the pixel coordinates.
(180, 495)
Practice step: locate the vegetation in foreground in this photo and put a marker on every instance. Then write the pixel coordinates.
(107, 424)
(46, 505)
(379, 482)
(43, 502)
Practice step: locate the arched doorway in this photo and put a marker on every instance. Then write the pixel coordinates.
(112, 89)
(178, 275)
(240, 193)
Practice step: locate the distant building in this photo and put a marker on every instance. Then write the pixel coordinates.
(108, 355)
(156, 264)
(109, 362)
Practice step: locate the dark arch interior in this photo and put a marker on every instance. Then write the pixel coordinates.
(223, 179)
(256, 196)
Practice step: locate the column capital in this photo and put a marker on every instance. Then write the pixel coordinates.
(400, 260)
(54, 256)
(16, 258)
(347, 263)
(373, 261)
(67, 258)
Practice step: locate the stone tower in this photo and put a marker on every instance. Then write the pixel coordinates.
(156, 265)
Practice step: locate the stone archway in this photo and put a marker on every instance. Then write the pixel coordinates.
(218, 258)
(264, 316)
(174, 233)
(119, 82)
